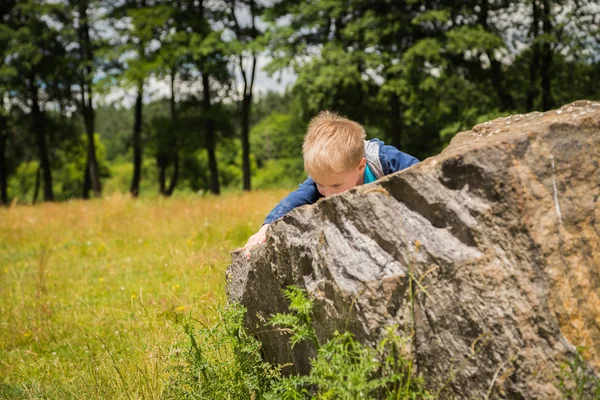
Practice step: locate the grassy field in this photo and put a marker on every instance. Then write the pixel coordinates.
(90, 291)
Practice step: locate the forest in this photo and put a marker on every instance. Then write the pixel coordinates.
(78, 117)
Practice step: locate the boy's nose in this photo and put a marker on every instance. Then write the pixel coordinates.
(332, 191)
(329, 192)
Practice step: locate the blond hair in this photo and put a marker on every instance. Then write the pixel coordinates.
(332, 145)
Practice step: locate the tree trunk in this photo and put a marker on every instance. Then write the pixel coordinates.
(246, 106)
(87, 107)
(396, 121)
(3, 173)
(161, 164)
(175, 176)
(547, 100)
(532, 91)
(93, 169)
(39, 128)
(137, 142)
(36, 188)
(175, 149)
(87, 183)
(210, 139)
(496, 74)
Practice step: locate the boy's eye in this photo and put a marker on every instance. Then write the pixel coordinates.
(337, 186)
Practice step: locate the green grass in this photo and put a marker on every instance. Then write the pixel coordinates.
(91, 291)
(94, 295)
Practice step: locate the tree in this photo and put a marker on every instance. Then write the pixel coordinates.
(85, 53)
(171, 56)
(547, 28)
(192, 49)
(37, 49)
(210, 58)
(6, 74)
(139, 24)
(245, 47)
(3, 166)
(348, 57)
(534, 64)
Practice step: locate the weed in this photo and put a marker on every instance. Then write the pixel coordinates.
(344, 368)
(220, 362)
(576, 381)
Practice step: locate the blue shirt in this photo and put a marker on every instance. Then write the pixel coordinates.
(369, 175)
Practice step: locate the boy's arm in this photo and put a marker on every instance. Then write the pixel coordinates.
(306, 193)
(393, 160)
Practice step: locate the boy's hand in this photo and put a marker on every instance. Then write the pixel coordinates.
(258, 238)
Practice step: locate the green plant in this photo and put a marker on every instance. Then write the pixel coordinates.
(224, 362)
(299, 321)
(221, 362)
(344, 368)
(285, 172)
(576, 381)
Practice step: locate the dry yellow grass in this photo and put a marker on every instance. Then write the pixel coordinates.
(90, 290)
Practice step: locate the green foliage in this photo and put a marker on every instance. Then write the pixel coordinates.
(420, 71)
(276, 142)
(281, 173)
(413, 73)
(576, 381)
(114, 125)
(132, 51)
(220, 362)
(344, 368)
(21, 184)
(69, 162)
(470, 118)
(332, 81)
(229, 155)
(299, 321)
(276, 136)
(120, 177)
(224, 362)
(466, 38)
(432, 16)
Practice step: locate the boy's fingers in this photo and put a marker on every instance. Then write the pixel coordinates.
(254, 241)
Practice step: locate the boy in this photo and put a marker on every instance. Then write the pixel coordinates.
(336, 158)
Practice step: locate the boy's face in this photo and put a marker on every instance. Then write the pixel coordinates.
(338, 183)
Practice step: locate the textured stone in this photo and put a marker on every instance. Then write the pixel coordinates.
(501, 234)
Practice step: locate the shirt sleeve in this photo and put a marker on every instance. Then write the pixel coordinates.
(393, 160)
(306, 193)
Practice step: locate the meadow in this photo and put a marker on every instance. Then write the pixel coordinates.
(91, 292)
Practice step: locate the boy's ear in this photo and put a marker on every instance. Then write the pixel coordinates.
(363, 165)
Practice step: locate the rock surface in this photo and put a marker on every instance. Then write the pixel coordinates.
(501, 236)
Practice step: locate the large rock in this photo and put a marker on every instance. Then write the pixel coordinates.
(501, 235)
